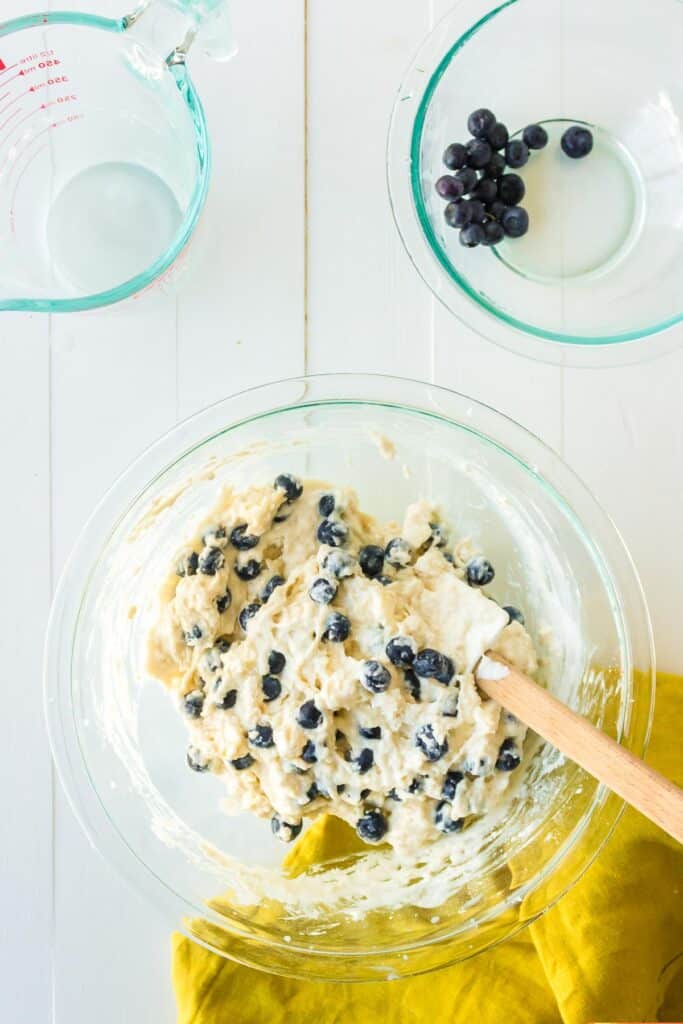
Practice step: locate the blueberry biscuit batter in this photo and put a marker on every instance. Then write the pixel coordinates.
(323, 663)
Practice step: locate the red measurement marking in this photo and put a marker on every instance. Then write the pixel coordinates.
(12, 102)
(22, 121)
(17, 111)
(47, 128)
(6, 67)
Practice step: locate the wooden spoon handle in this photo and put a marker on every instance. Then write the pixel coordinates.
(656, 797)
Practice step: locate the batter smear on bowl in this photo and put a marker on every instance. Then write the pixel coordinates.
(324, 664)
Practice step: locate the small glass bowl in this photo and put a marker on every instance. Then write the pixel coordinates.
(601, 262)
(119, 742)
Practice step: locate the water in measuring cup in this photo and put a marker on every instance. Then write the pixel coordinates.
(109, 223)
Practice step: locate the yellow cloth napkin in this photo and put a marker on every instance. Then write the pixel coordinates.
(610, 950)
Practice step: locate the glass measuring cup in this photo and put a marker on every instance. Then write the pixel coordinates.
(104, 152)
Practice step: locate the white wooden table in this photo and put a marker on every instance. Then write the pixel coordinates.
(298, 267)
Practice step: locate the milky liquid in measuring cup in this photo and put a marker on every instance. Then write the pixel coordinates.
(108, 223)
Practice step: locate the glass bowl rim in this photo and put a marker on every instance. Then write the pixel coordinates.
(72, 766)
(189, 97)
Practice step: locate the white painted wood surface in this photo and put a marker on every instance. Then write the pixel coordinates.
(297, 266)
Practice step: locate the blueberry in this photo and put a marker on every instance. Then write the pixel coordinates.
(454, 156)
(515, 221)
(223, 643)
(479, 572)
(276, 662)
(364, 762)
(326, 505)
(193, 703)
(426, 741)
(401, 651)
(493, 233)
(242, 540)
(193, 636)
(398, 553)
(511, 189)
(479, 153)
(227, 701)
(292, 487)
(393, 795)
(282, 514)
(468, 177)
(496, 209)
(495, 167)
(438, 536)
(497, 135)
(477, 211)
(210, 662)
(514, 614)
(370, 732)
(516, 153)
(450, 187)
(535, 136)
(261, 736)
(224, 601)
(248, 571)
(272, 688)
(273, 583)
(287, 831)
(577, 142)
(486, 191)
(341, 788)
(187, 565)
(322, 591)
(508, 759)
(372, 827)
(452, 780)
(480, 122)
(371, 560)
(417, 785)
(332, 533)
(339, 564)
(240, 763)
(472, 236)
(247, 613)
(309, 716)
(196, 760)
(313, 792)
(458, 215)
(413, 684)
(215, 537)
(431, 664)
(375, 677)
(337, 628)
(210, 561)
(444, 820)
(308, 753)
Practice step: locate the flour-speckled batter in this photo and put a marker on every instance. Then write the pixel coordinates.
(324, 664)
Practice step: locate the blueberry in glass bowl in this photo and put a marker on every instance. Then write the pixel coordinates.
(592, 121)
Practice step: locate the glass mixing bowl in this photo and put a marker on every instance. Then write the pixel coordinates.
(601, 262)
(119, 742)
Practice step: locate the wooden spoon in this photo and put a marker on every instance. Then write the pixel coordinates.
(657, 798)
